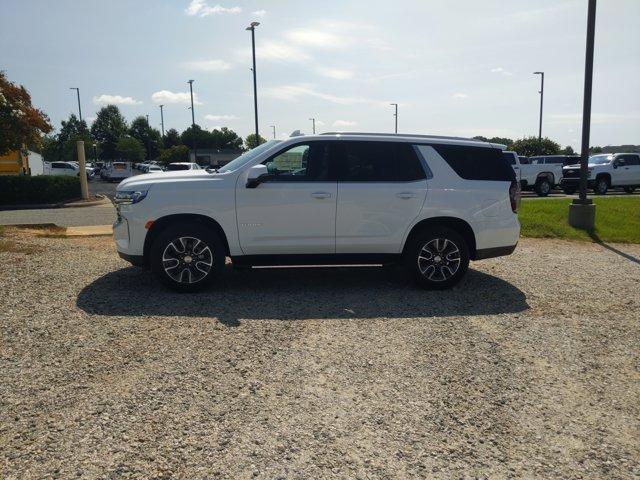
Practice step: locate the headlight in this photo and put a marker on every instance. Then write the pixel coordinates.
(129, 197)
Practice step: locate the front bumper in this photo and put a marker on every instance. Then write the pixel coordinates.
(575, 182)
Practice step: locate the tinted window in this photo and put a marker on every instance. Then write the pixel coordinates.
(377, 162)
(176, 166)
(476, 163)
(631, 159)
(509, 157)
(57, 165)
(303, 162)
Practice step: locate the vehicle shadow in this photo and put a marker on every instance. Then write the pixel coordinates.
(300, 293)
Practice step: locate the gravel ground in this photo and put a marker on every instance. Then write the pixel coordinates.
(529, 368)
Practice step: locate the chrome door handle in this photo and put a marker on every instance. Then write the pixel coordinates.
(405, 195)
(321, 195)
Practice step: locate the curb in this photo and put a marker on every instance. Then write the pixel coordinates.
(69, 232)
(75, 204)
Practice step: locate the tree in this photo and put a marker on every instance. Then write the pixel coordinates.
(225, 139)
(131, 149)
(149, 137)
(108, 128)
(202, 137)
(172, 138)
(532, 146)
(20, 122)
(500, 140)
(250, 142)
(568, 150)
(177, 153)
(595, 150)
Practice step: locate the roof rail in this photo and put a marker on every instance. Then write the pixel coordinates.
(408, 135)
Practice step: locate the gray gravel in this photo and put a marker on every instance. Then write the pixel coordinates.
(529, 369)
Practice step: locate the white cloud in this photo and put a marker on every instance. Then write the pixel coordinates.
(105, 99)
(459, 96)
(166, 96)
(259, 13)
(315, 38)
(320, 123)
(335, 73)
(218, 118)
(343, 123)
(213, 65)
(274, 50)
(501, 71)
(202, 9)
(294, 92)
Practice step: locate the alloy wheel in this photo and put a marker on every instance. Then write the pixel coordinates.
(187, 260)
(439, 259)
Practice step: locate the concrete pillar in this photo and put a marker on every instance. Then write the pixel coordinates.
(84, 187)
(582, 214)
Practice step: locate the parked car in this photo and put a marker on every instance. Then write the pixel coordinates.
(183, 166)
(361, 198)
(539, 177)
(61, 168)
(116, 171)
(563, 160)
(153, 168)
(605, 171)
(145, 166)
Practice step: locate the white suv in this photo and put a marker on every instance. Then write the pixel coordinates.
(429, 203)
(606, 171)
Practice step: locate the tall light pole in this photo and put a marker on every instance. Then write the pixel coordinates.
(274, 130)
(252, 27)
(313, 120)
(193, 123)
(541, 92)
(79, 108)
(582, 212)
(162, 120)
(395, 115)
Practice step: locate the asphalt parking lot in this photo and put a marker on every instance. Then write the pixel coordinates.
(528, 369)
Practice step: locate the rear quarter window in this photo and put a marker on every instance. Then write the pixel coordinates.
(477, 163)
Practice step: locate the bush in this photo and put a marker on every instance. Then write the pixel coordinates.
(41, 189)
(177, 153)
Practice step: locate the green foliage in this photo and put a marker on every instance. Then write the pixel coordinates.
(500, 140)
(20, 190)
(202, 138)
(617, 220)
(177, 153)
(149, 137)
(251, 141)
(568, 150)
(532, 146)
(20, 122)
(171, 138)
(109, 127)
(225, 139)
(130, 149)
(62, 146)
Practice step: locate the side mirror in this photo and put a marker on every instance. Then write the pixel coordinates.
(257, 173)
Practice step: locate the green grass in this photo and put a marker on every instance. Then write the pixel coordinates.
(617, 220)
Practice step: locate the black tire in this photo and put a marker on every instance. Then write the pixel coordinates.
(569, 190)
(601, 186)
(629, 189)
(178, 243)
(543, 187)
(440, 271)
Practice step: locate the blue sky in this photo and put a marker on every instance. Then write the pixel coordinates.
(456, 68)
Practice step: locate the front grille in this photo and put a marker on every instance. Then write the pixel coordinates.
(571, 173)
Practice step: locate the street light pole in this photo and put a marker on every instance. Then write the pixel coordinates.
(193, 123)
(162, 120)
(582, 212)
(79, 107)
(252, 27)
(541, 92)
(314, 125)
(395, 115)
(274, 130)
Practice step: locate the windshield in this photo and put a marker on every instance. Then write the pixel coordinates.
(247, 157)
(600, 159)
(177, 166)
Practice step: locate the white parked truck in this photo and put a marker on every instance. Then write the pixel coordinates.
(538, 177)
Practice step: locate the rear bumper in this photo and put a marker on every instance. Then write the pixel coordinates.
(484, 253)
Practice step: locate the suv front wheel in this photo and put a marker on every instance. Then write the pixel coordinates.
(438, 258)
(601, 186)
(187, 256)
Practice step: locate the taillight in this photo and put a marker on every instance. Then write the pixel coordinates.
(514, 196)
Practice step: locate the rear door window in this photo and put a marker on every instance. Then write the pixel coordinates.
(476, 163)
(377, 162)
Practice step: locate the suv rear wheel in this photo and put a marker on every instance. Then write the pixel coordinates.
(543, 187)
(601, 186)
(438, 258)
(187, 257)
